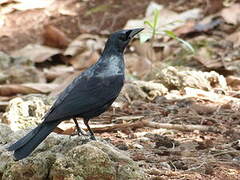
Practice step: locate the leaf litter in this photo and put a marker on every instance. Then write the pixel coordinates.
(178, 114)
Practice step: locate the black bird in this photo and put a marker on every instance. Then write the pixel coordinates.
(89, 95)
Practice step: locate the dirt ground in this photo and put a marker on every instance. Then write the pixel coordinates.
(187, 148)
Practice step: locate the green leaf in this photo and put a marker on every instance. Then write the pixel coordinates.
(156, 16)
(149, 24)
(153, 25)
(186, 44)
(170, 34)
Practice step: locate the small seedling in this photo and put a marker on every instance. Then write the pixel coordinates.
(154, 31)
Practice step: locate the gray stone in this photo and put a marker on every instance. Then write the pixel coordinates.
(26, 111)
(61, 157)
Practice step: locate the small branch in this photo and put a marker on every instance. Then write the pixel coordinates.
(148, 123)
(112, 127)
(181, 127)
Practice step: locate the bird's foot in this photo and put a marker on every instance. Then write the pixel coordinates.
(84, 133)
(79, 133)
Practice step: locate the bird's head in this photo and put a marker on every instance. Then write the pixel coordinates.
(120, 39)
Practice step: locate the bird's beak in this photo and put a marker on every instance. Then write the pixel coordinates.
(134, 32)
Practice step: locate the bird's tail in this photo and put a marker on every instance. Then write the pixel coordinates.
(24, 146)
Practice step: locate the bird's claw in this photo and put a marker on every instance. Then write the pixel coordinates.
(79, 133)
(92, 137)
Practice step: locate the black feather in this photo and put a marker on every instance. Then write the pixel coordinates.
(89, 95)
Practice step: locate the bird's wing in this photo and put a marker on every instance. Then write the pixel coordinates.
(84, 95)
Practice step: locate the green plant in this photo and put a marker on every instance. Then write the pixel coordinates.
(153, 26)
(154, 31)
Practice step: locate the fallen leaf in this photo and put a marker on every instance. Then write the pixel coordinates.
(64, 81)
(188, 27)
(36, 53)
(70, 7)
(204, 108)
(13, 89)
(18, 74)
(84, 60)
(234, 82)
(204, 57)
(54, 37)
(234, 38)
(5, 1)
(167, 20)
(82, 43)
(56, 71)
(214, 6)
(208, 96)
(137, 65)
(42, 87)
(24, 5)
(231, 14)
(145, 50)
(208, 24)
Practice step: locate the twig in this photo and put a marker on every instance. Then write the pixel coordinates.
(180, 127)
(148, 123)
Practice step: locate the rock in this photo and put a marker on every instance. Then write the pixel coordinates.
(18, 70)
(32, 168)
(18, 74)
(144, 90)
(60, 157)
(5, 131)
(181, 77)
(23, 112)
(133, 92)
(153, 89)
(5, 61)
(96, 160)
(86, 161)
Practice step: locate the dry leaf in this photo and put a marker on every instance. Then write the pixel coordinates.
(137, 65)
(208, 24)
(168, 20)
(231, 14)
(18, 74)
(70, 7)
(145, 50)
(54, 37)
(24, 5)
(234, 82)
(42, 87)
(36, 53)
(5, 1)
(204, 108)
(56, 71)
(214, 6)
(13, 89)
(64, 81)
(82, 43)
(84, 60)
(204, 57)
(235, 39)
(208, 96)
(188, 27)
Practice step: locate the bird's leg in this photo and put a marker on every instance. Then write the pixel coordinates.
(89, 129)
(79, 131)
